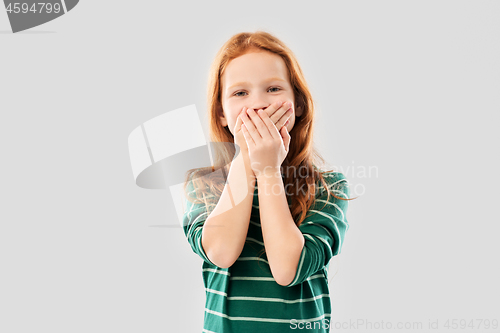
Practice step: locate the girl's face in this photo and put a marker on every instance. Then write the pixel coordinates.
(255, 80)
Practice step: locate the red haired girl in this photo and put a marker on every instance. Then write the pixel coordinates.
(264, 219)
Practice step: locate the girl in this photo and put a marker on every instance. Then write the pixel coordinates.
(264, 219)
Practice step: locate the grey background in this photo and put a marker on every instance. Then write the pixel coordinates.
(410, 87)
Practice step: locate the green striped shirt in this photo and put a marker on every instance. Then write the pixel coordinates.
(245, 298)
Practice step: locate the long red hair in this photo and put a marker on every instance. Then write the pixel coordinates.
(302, 154)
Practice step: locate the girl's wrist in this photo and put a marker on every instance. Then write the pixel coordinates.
(269, 172)
(244, 158)
(248, 165)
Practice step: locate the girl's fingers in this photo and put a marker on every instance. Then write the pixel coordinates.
(255, 122)
(237, 126)
(248, 136)
(271, 127)
(257, 128)
(285, 115)
(273, 108)
(281, 110)
(249, 126)
(284, 119)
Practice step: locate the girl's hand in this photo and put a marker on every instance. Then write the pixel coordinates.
(267, 142)
(278, 115)
(239, 138)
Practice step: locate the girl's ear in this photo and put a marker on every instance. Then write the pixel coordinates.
(220, 112)
(299, 110)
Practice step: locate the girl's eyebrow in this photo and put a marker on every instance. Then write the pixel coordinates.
(268, 80)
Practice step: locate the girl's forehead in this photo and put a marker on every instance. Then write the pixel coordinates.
(257, 58)
(261, 64)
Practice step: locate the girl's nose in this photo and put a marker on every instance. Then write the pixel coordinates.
(258, 106)
(259, 100)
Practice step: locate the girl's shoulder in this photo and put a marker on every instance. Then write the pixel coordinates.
(335, 181)
(335, 176)
(332, 175)
(329, 172)
(197, 182)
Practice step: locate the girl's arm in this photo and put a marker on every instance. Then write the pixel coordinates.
(225, 230)
(293, 258)
(283, 240)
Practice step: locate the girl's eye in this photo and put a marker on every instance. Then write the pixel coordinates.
(240, 92)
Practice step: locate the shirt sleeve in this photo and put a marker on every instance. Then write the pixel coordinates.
(323, 228)
(193, 219)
